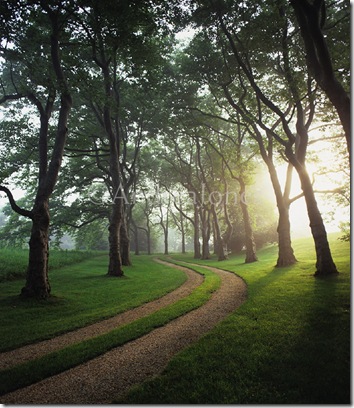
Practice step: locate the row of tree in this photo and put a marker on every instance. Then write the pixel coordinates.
(103, 110)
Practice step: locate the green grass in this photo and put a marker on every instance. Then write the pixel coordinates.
(82, 294)
(13, 262)
(56, 362)
(288, 344)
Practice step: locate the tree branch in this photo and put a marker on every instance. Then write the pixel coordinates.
(13, 204)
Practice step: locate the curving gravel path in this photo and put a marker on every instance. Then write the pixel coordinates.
(32, 351)
(110, 376)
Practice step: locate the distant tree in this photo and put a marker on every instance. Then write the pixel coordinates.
(92, 236)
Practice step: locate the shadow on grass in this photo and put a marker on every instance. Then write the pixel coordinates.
(105, 276)
(316, 369)
(16, 301)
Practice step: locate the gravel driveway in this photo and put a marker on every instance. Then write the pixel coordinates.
(109, 376)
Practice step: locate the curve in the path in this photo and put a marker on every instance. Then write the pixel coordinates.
(111, 375)
(35, 350)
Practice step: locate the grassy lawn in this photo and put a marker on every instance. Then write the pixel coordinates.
(13, 262)
(82, 294)
(289, 343)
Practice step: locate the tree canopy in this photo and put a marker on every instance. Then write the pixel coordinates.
(117, 132)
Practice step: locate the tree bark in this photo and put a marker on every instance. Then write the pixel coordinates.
(148, 235)
(115, 262)
(136, 238)
(324, 261)
(311, 18)
(205, 218)
(286, 255)
(197, 253)
(219, 243)
(125, 243)
(148, 238)
(165, 239)
(37, 281)
(229, 228)
(183, 234)
(249, 238)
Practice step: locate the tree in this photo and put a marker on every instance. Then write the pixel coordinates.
(47, 24)
(126, 44)
(215, 73)
(311, 17)
(295, 146)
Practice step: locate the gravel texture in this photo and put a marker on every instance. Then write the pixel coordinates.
(110, 376)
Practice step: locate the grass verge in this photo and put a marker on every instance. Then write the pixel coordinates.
(82, 294)
(59, 361)
(288, 344)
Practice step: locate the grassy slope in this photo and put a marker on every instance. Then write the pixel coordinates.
(82, 294)
(289, 343)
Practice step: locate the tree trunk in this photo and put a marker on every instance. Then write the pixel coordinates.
(37, 282)
(148, 238)
(229, 229)
(205, 218)
(286, 255)
(115, 262)
(197, 253)
(249, 238)
(310, 17)
(324, 262)
(165, 234)
(183, 234)
(219, 243)
(136, 238)
(125, 243)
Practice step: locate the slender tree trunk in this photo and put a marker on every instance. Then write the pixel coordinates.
(219, 243)
(183, 239)
(115, 262)
(115, 223)
(286, 255)
(165, 234)
(249, 238)
(197, 253)
(215, 240)
(37, 282)
(112, 133)
(205, 248)
(125, 243)
(229, 229)
(148, 237)
(136, 238)
(205, 218)
(324, 261)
